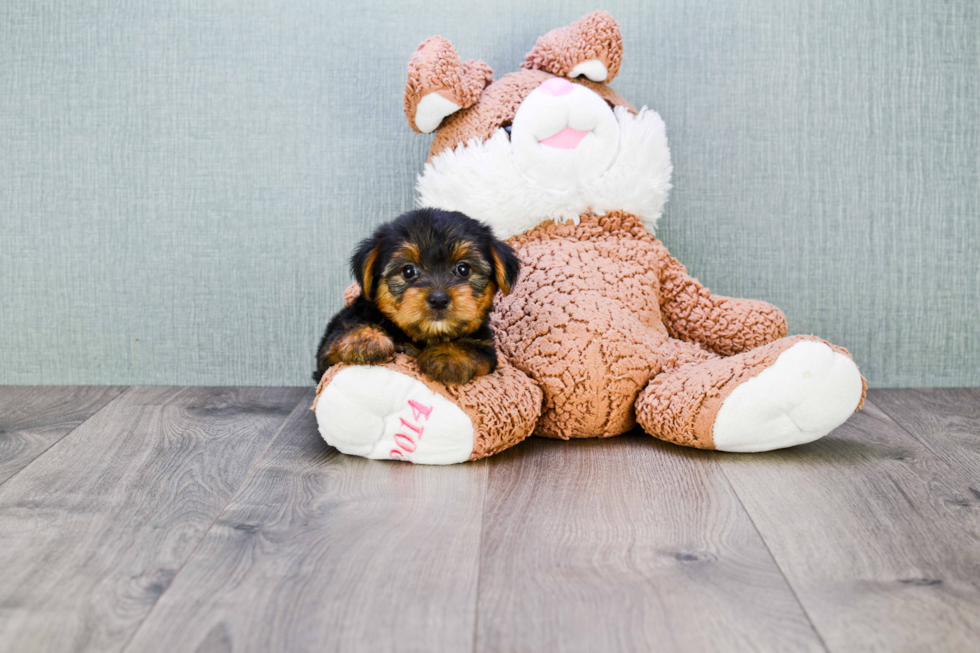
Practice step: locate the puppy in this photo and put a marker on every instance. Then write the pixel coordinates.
(427, 279)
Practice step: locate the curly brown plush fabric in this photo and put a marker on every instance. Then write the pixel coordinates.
(597, 314)
(596, 36)
(351, 293)
(725, 325)
(436, 68)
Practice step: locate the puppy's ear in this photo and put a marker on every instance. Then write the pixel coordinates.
(506, 266)
(363, 264)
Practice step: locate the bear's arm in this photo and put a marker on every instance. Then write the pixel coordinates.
(723, 325)
(352, 292)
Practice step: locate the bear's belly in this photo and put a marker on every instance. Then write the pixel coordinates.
(584, 322)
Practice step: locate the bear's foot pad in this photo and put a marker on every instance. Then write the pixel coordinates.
(805, 394)
(376, 412)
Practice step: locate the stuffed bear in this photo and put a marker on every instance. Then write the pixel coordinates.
(604, 330)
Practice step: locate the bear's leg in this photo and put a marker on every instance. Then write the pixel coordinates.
(393, 412)
(789, 392)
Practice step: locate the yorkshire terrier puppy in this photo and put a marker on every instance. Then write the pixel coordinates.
(427, 279)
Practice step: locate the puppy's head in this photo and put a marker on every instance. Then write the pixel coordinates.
(434, 273)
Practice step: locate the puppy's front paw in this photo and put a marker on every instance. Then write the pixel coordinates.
(362, 345)
(451, 364)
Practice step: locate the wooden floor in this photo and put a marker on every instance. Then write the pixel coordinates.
(216, 519)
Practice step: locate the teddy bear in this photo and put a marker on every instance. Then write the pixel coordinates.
(604, 330)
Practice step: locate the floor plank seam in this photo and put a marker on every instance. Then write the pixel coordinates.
(479, 553)
(883, 550)
(775, 560)
(68, 434)
(190, 556)
(938, 454)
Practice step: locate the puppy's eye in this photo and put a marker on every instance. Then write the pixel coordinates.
(462, 270)
(410, 273)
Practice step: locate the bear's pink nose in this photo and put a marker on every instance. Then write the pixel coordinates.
(557, 86)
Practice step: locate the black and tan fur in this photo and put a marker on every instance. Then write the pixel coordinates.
(427, 279)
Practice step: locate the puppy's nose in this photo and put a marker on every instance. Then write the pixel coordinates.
(557, 86)
(438, 300)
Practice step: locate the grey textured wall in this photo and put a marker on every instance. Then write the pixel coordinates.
(180, 183)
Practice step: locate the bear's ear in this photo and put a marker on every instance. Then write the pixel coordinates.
(439, 84)
(592, 46)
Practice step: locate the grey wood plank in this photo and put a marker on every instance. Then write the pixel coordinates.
(627, 544)
(325, 552)
(32, 418)
(879, 538)
(94, 531)
(946, 420)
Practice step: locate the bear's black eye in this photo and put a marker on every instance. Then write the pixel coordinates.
(462, 270)
(410, 273)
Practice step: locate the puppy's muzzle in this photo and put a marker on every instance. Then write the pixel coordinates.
(438, 300)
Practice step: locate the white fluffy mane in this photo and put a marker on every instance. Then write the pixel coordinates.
(482, 180)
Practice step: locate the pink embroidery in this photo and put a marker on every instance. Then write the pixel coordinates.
(417, 429)
(406, 443)
(418, 409)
